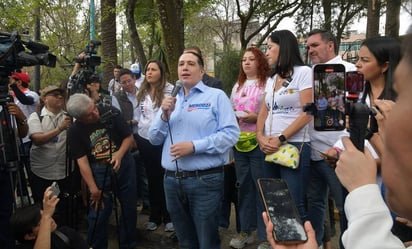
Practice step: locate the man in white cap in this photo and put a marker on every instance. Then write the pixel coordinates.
(137, 73)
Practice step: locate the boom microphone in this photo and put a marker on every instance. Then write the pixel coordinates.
(176, 89)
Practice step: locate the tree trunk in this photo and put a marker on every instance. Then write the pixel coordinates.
(372, 26)
(393, 10)
(109, 46)
(327, 14)
(172, 21)
(135, 41)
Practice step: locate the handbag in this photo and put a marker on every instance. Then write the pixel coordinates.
(288, 155)
(247, 142)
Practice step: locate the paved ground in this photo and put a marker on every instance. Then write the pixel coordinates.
(162, 240)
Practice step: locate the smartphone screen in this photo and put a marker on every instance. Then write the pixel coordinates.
(55, 189)
(287, 226)
(354, 85)
(329, 97)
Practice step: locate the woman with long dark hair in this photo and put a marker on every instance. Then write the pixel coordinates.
(150, 96)
(281, 118)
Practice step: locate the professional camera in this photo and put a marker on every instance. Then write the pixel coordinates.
(15, 53)
(88, 63)
(14, 56)
(90, 59)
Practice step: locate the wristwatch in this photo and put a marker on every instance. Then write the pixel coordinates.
(282, 138)
(369, 134)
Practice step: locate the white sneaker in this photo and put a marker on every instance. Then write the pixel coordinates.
(169, 227)
(241, 240)
(150, 226)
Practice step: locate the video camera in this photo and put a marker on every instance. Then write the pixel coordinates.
(15, 53)
(88, 63)
(90, 60)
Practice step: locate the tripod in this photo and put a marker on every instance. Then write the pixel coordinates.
(10, 158)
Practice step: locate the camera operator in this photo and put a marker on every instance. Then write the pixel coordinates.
(24, 98)
(100, 140)
(28, 102)
(93, 85)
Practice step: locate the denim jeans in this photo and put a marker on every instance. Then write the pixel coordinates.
(121, 185)
(193, 204)
(296, 179)
(323, 176)
(249, 168)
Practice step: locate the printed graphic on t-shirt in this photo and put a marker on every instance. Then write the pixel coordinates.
(101, 144)
(285, 101)
(248, 99)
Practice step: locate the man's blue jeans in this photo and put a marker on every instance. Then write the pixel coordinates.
(123, 184)
(193, 204)
(249, 168)
(322, 178)
(296, 179)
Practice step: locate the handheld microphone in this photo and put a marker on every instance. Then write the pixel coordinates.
(176, 89)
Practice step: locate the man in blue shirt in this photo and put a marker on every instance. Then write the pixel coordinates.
(322, 106)
(197, 130)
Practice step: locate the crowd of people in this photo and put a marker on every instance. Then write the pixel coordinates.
(191, 150)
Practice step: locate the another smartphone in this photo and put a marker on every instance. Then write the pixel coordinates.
(287, 225)
(329, 97)
(324, 155)
(55, 189)
(354, 86)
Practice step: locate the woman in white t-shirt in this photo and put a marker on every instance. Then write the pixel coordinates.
(150, 96)
(281, 118)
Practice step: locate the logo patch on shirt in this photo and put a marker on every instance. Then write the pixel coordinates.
(194, 107)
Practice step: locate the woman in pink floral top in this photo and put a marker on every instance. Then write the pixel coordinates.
(246, 97)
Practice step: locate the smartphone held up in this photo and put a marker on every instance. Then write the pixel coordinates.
(282, 212)
(334, 89)
(55, 189)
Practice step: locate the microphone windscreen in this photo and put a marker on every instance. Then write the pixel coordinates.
(176, 89)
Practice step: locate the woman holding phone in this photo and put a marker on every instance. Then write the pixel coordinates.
(281, 118)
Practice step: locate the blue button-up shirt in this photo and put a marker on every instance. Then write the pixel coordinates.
(205, 117)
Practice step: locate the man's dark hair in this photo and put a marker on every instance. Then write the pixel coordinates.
(124, 71)
(24, 220)
(199, 57)
(326, 36)
(118, 67)
(195, 48)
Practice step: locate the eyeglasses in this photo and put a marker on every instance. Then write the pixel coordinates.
(124, 82)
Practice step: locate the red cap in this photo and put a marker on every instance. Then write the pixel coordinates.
(21, 76)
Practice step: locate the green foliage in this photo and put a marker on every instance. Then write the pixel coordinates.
(16, 15)
(64, 28)
(227, 69)
(160, 52)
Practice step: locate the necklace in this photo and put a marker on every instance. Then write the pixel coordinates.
(279, 82)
